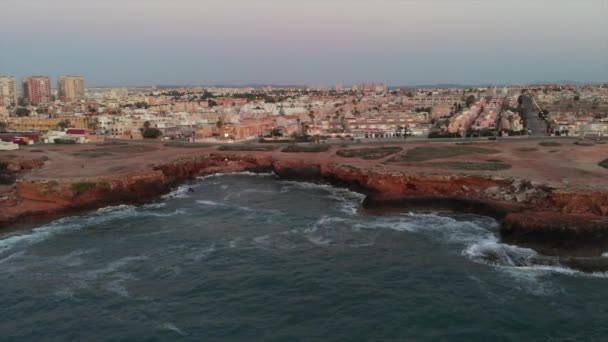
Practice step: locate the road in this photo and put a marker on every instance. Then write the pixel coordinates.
(534, 124)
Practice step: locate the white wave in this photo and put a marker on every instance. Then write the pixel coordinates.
(443, 228)
(157, 205)
(114, 266)
(118, 286)
(481, 245)
(211, 203)
(174, 328)
(73, 223)
(490, 251)
(325, 187)
(262, 240)
(240, 173)
(38, 234)
(182, 191)
(173, 213)
(349, 200)
(203, 253)
(318, 240)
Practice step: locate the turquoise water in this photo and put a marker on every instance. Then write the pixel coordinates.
(250, 258)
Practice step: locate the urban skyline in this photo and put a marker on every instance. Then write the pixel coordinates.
(312, 43)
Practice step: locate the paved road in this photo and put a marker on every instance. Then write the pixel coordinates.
(533, 122)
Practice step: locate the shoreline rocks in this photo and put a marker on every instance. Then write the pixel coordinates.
(532, 214)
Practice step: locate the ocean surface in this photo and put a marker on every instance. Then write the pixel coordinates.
(250, 258)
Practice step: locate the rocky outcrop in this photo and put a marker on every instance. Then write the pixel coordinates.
(35, 199)
(21, 166)
(557, 233)
(532, 213)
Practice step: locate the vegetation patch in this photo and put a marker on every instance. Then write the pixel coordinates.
(112, 143)
(64, 141)
(306, 148)
(261, 148)
(91, 154)
(582, 143)
(81, 187)
(37, 151)
(345, 166)
(429, 153)
(526, 149)
(5, 177)
(181, 144)
(604, 163)
(370, 153)
(128, 148)
(471, 166)
(549, 143)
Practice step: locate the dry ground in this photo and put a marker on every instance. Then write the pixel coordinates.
(566, 166)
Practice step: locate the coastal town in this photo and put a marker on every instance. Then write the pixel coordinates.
(37, 112)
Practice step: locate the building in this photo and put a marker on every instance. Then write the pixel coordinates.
(71, 88)
(37, 89)
(8, 91)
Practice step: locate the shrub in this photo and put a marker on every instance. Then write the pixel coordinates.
(527, 149)
(434, 135)
(604, 163)
(428, 153)
(64, 141)
(262, 148)
(274, 141)
(6, 179)
(182, 144)
(471, 166)
(549, 143)
(306, 148)
(81, 187)
(369, 153)
(151, 133)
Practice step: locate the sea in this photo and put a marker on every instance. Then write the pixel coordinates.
(249, 257)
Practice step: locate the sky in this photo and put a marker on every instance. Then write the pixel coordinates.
(311, 42)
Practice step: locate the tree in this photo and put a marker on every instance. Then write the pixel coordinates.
(276, 132)
(152, 133)
(219, 123)
(3, 126)
(146, 125)
(22, 111)
(470, 100)
(212, 103)
(63, 124)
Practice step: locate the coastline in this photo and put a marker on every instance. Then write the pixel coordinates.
(552, 221)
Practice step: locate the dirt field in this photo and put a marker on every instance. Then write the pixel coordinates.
(565, 166)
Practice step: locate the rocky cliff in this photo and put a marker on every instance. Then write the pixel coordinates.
(532, 213)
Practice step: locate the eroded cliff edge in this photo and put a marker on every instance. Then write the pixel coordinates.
(549, 220)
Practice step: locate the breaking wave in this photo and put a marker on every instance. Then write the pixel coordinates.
(67, 224)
